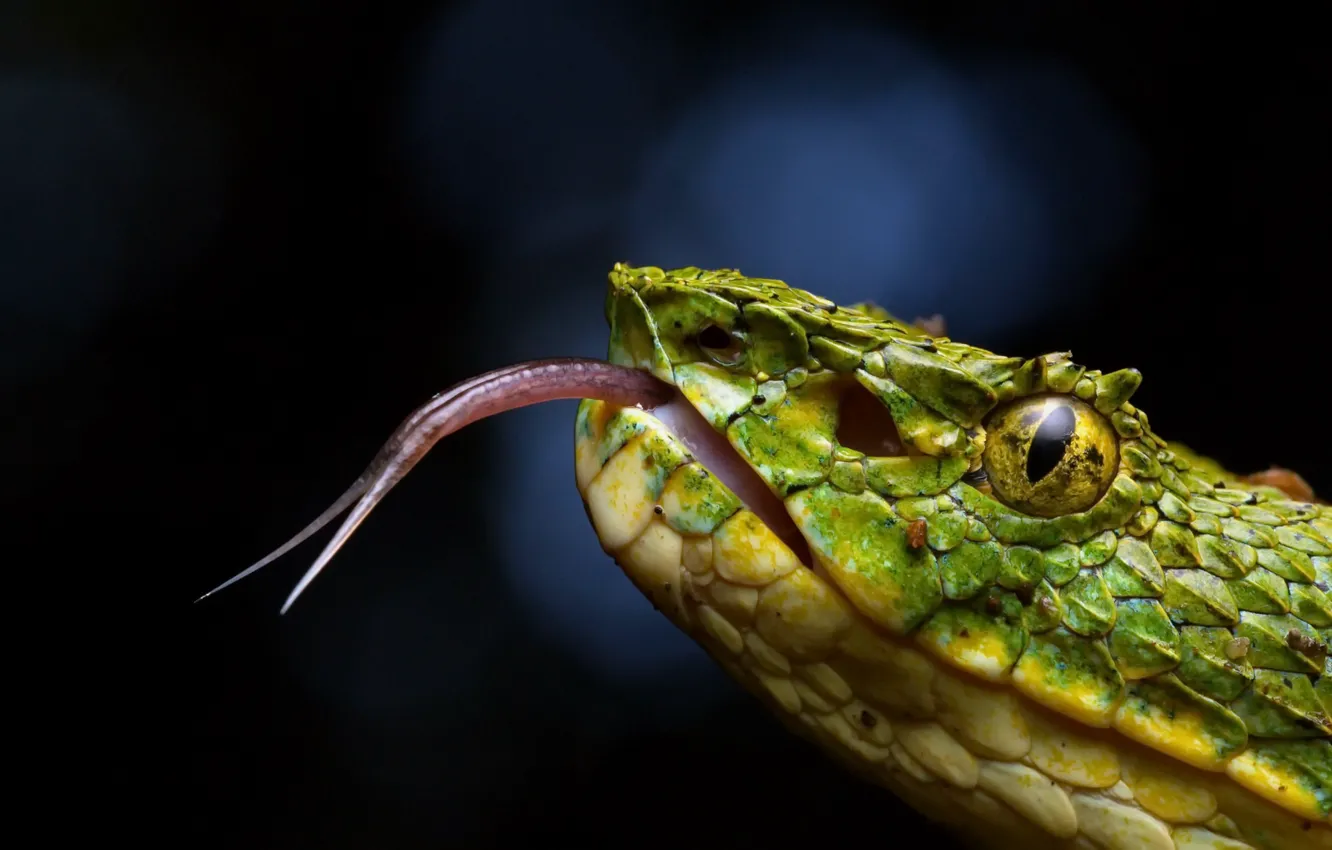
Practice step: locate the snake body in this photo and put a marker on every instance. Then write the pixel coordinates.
(1029, 616)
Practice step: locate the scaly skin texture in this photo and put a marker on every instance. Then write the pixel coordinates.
(1038, 623)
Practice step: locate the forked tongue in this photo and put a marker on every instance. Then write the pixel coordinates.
(509, 388)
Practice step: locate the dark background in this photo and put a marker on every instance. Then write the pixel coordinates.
(239, 241)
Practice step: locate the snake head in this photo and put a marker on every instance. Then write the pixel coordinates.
(867, 429)
(809, 393)
(1014, 518)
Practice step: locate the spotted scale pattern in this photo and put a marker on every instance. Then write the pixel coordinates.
(1146, 671)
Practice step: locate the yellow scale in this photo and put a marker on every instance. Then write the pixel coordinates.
(940, 738)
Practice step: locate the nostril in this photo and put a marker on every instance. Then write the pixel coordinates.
(863, 424)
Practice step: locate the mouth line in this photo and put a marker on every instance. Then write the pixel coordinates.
(715, 454)
(863, 425)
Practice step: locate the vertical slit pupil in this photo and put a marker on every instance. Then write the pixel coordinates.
(1050, 442)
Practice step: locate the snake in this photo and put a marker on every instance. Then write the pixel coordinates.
(981, 582)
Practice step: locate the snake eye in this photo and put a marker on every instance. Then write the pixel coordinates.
(1050, 455)
(721, 345)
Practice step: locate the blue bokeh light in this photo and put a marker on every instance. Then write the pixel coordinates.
(860, 170)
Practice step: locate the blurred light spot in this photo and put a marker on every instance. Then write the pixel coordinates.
(92, 191)
(858, 171)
